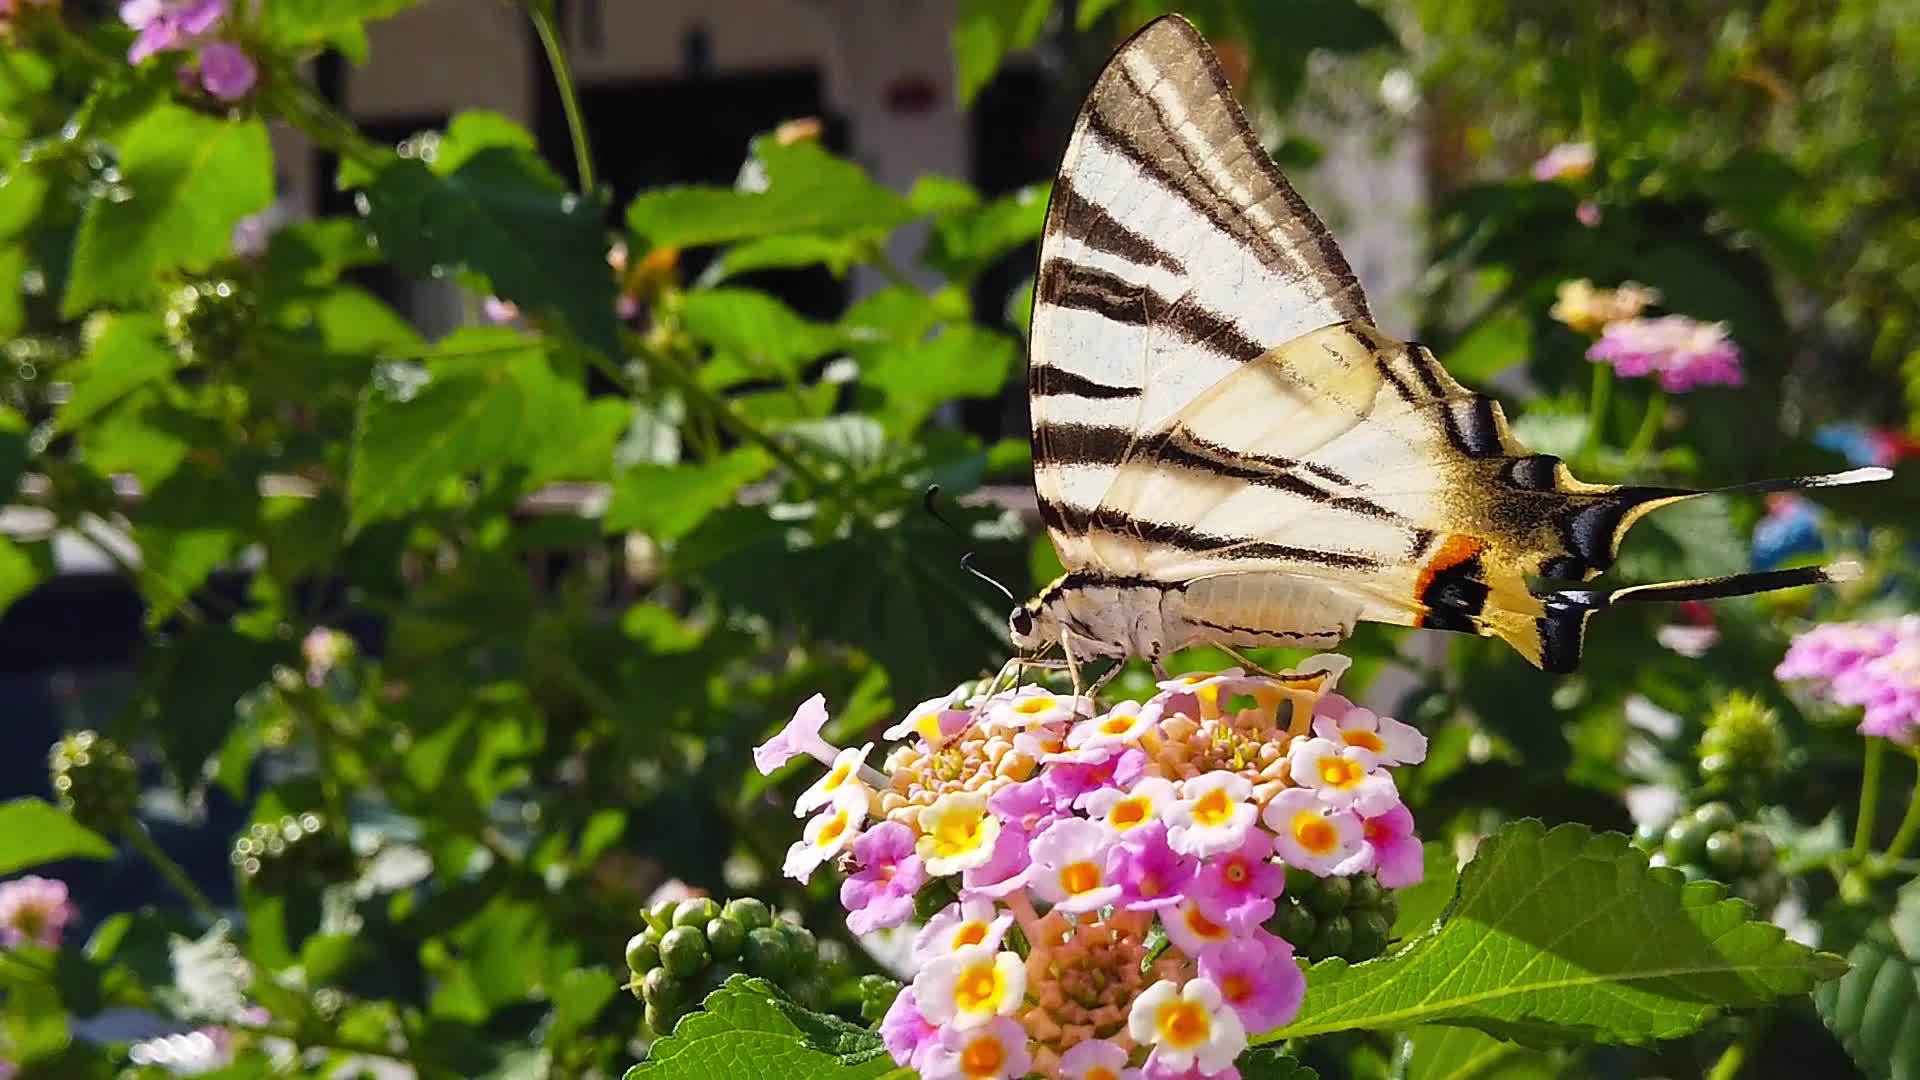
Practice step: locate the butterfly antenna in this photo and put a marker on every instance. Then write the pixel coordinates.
(966, 561)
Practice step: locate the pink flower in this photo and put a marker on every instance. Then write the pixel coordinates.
(226, 71)
(1006, 870)
(1587, 213)
(880, 895)
(1068, 781)
(800, 736)
(1096, 1059)
(1151, 875)
(166, 25)
(1889, 687)
(499, 312)
(1237, 887)
(1396, 851)
(958, 925)
(1567, 161)
(1157, 1070)
(1258, 978)
(33, 911)
(1070, 866)
(1683, 353)
(1828, 651)
(993, 1051)
(906, 1034)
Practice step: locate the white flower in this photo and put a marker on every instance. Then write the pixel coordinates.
(1070, 866)
(1188, 1027)
(996, 1050)
(1316, 837)
(1096, 1059)
(1033, 706)
(211, 974)
(1123, 725)
(958, 925)
(1123, 811)
(1189, 928)
(1381, 740)
(934, 720)
(1341, 776)
(828, 833)
(956, 833)
(1213, 814)
(844, 775)
(970, 986)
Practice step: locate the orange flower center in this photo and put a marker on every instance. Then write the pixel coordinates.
(1339, 772)
(977, 989)
(1128, 813)
(1213, 808)
(1236, 987)
(1203, 926)
(1116, 724)
(983, 1057)
(1079, 877)
(1182, 1024)
(830, 832)
(1034, 706)
(1311, 831)
(1365, 740)
(1236, 872)
(972, 933)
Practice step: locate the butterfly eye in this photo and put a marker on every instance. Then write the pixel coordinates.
(1020, 622)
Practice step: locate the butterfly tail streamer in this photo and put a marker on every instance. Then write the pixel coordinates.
(1561, 632)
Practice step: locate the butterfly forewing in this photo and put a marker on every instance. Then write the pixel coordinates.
(1174, 252)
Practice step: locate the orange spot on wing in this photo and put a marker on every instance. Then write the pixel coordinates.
(1454, 551)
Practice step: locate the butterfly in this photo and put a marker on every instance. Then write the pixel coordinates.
(1228, 452)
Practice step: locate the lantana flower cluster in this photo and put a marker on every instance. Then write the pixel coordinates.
(34, 911)
(220, 66)
(1680, 352)
(1874, 665)
(1085, 828)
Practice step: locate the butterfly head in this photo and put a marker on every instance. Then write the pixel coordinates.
(1033, 625)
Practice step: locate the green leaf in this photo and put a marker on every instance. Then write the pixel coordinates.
(202, 515)
(578, 997)
(964, 361)
(192, 177)
(503, 214)
(336, 22)
(488, 394)
(762, 336)
(13, 308)
(1870, 1009)
(964, 244)
(936, 194)
(1443, 1052)
(785, 252)
(985, 32)
(125, 354)
(192, 685)
(1421, 905)
(666, 501)
(33, 832)
(1568, 935)
(22, 566)
(473, 130)
(1496, 343)
(744, 1032)
(807, 190)
(1089, 12)
(1267, 1063)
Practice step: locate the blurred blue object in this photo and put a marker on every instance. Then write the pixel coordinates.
(1791, 527)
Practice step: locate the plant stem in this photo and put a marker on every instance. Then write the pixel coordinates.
(542, 13)
(1597, 401)
(177, 877)
(1909, 829)
(299, 106)
(1649, 426)
(1731, 1059)
(718, 407)
(1869, 799)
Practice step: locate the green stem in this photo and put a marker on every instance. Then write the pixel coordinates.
(1643, 439)
(1869, 799)
(301, 107)
(1730, 1061)
(141, 842)
(1597, 401)
(542, 13)
(719, 408)
(1909, 829)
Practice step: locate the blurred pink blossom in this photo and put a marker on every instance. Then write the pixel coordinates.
(1682, 352)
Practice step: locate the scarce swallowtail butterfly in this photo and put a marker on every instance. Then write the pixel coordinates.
(1226, 451)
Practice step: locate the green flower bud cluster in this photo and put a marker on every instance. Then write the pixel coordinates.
(690, 947)
(297, 852)
(209, 319)
(1710, 841)
(1322, 917)
(96, 780)
(1743, 743)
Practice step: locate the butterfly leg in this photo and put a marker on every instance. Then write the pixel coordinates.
(1106, 677)
(1160, 669)
(1242, 660)
(1073, 667)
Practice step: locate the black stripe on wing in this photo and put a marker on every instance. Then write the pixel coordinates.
(1066, 284)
